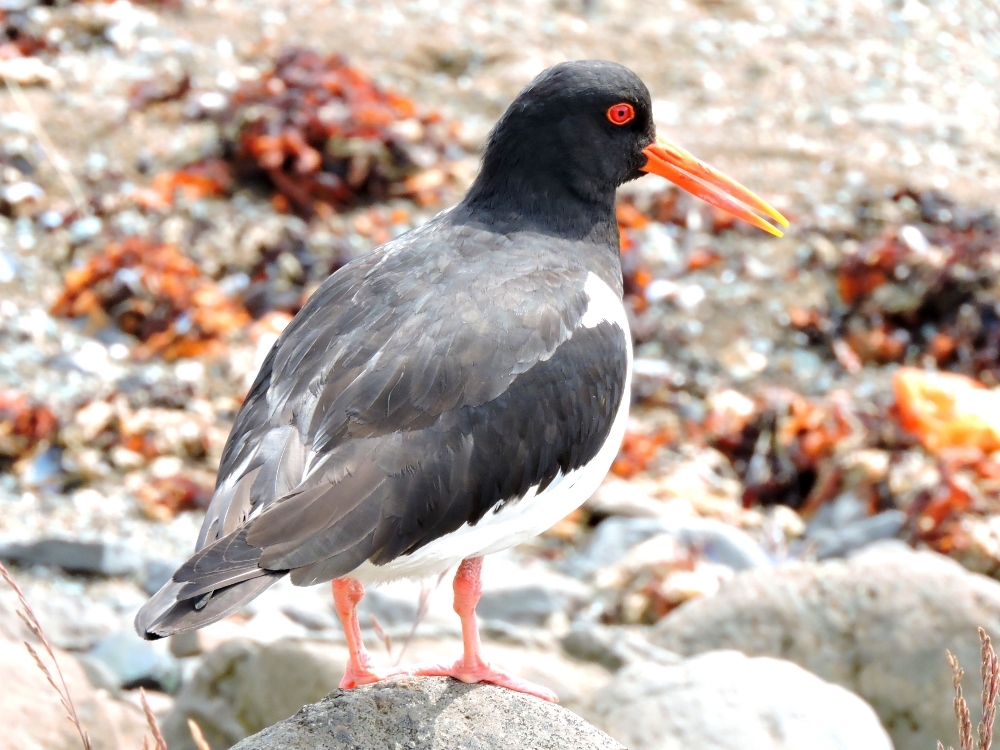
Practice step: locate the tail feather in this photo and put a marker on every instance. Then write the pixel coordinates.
(171, 610)
(214, 582)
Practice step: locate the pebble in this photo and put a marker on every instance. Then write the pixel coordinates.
(43, 468)
(842, 526)
(613, 646)
(20, 192)
(137, 663)
(85, 229)
(717, 541)
(29, 71)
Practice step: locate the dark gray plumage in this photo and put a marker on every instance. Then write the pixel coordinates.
(440, 377)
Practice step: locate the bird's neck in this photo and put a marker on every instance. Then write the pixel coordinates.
(514, 199)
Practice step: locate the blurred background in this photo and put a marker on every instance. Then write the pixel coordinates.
(811, 471)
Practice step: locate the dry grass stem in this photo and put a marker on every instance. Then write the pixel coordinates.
(154, 727)
(423, 605)
(58, 160)
(27, 615)
(383, 636)
(991, 688)
(961, 707)
(196, 734)
(990, 671)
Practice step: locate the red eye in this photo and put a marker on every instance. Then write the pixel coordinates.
(622, 113)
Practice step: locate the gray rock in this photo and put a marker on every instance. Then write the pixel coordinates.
(719, 542)
(621, 498)
(613, 646)
(530, 597)
(877, 624)
(138, 663)
(857, 534)
(843, 526)
(242, 687)
(611, 541)
(102, 558)
(843, 510)
(431, 714)
(99, 674)
(723, 700)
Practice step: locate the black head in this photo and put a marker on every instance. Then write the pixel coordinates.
(563, 144)
(571, 138)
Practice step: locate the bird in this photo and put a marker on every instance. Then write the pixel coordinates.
(453, 392)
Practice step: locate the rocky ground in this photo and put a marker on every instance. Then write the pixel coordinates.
(178, 177)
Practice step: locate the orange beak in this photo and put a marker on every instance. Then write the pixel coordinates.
(677, 165)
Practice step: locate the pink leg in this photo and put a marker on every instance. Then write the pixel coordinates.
(471, 667)
(347, 592)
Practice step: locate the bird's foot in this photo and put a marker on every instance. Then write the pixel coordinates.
(365, 675)
(480, 671)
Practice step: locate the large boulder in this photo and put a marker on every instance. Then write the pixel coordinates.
(243, 687)
(431, 713)
(724, 700)
(32, 717)
(877, 624)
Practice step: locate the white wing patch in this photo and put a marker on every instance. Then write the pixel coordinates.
(604, 305)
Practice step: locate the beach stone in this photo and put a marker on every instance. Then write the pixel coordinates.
(431, 713)
(243, 686)
(530, 597)
(717, 541)
(723, 700)
(75, 556)
(137, 663)
(877, 624)
(613, 646)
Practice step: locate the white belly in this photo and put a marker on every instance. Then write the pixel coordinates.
(537, 511)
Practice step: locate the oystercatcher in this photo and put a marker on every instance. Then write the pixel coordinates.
(453, 392)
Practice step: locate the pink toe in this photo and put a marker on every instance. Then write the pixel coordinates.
(485, 673)
(353, 678)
